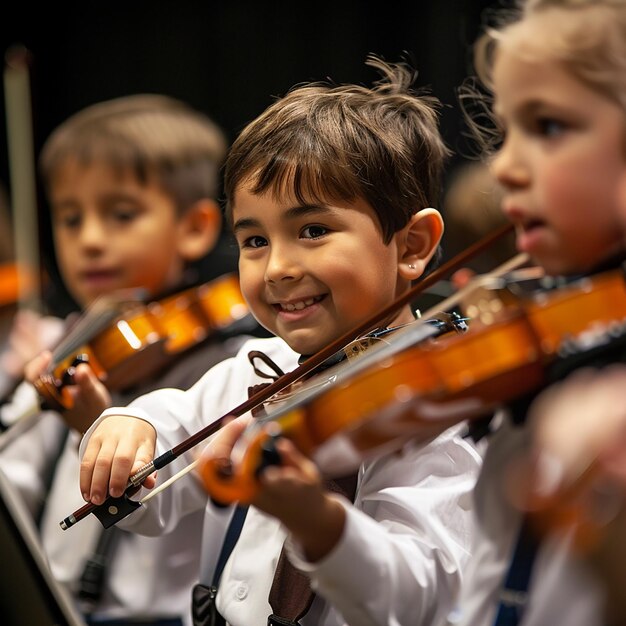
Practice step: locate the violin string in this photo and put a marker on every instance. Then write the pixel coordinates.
(484, 279)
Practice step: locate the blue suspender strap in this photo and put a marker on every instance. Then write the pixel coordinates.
(203, 609)
(514, 594)
(232, 535)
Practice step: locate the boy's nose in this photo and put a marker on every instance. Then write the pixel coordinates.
(92, 233)
(282, 265)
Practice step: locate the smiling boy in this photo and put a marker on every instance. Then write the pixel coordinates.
(328, 194)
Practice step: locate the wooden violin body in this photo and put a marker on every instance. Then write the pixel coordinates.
(422, 390)
(145, 337)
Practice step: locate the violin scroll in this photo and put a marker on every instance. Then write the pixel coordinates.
(238, 482)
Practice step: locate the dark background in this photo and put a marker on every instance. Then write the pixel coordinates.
(229, 59)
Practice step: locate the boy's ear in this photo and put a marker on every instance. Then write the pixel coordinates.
(421, 237)
(199, 229)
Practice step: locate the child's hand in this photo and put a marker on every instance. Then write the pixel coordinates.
(293, 493)
(90, 397)
(579, 435)
(117, 448)
(37, 366)
(581, 421)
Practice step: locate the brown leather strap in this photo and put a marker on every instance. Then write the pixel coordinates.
(253, 356)
(291, 595)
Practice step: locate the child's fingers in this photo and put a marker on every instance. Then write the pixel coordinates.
(87, 467)
(37, 366)
(222, 444)
(613, 459)
(294, 466)
(100, 472)
(122, 464)
(115, 446)
(291, 456)
(129, 458)
(150, 480)
(91, 397)
(576, 423)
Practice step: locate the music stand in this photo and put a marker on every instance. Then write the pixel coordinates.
(29, 594)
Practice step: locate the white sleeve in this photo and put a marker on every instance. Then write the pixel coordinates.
(29, 458)
(406, 538)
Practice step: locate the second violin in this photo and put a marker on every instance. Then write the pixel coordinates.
(126, 341)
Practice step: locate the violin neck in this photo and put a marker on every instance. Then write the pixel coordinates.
(98, 316)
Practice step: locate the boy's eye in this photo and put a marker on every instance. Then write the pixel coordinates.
(123, 213)
(254, 242)
(68, 220)
(313, 232)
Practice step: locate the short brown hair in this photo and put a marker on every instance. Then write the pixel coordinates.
(153, 136)
(324, 141)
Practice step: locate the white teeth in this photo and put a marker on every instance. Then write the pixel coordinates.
(298, 306)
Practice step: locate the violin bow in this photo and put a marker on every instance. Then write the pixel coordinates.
(22, 173)
(115, 509)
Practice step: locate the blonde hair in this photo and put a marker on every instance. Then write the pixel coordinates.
(152, 136)
(590, 43)
(323, 142)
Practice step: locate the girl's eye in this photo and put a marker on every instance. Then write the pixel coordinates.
(254, 242)
(313, 232)
(549, 127)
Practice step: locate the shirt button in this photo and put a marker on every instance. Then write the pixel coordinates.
(242, 592)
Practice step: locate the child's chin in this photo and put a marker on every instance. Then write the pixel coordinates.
(304, 346)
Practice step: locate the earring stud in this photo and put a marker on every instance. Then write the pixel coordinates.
(411, 266)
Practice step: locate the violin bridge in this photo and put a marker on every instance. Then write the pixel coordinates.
(359, 346)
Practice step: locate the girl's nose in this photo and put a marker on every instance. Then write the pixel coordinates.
(508, 166)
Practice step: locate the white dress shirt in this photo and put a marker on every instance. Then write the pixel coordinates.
(406, 538)
(561, 591)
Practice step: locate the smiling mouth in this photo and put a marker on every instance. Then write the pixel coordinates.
(298, 305)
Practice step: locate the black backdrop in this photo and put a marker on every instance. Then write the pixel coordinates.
(229, 59)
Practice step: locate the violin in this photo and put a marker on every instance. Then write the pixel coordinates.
(126, 341)
(403, 394)
(115, 509)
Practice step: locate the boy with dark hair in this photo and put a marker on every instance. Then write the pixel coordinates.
(328, 194)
